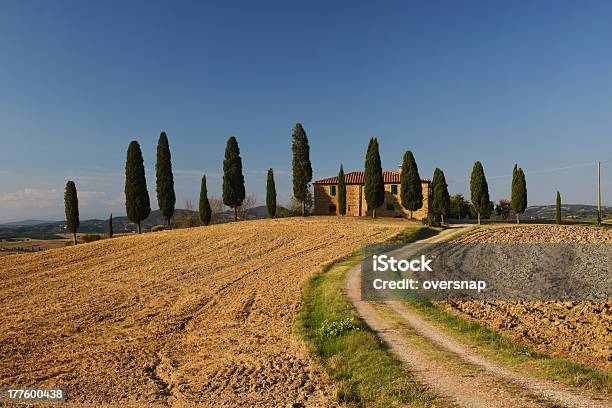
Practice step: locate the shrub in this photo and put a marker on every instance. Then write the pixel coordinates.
(337, 327)
(156, 228)
(91, 237)
(431, 221)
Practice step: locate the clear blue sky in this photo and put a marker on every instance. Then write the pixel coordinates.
(455, 82)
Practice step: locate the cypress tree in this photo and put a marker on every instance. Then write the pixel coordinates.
(137, 201)
(412, 192)
(440, 200)
(165, 180)
(71, 207)
(514, 197)
(479, 190)
(341, 192)
(558, 212)
(301, 166)
(518, 202)
(523, 191)
(374, 183)
(205, 210)
(233, 180)
(110, 226)
(271, 194)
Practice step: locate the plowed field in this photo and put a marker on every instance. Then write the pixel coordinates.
(579, 330)
(199, 316)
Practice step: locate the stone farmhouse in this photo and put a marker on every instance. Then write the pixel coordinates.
(326, 196)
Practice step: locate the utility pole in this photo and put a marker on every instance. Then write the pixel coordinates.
(598, 193)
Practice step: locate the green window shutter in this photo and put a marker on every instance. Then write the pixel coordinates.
(332, 190)
(394, 189)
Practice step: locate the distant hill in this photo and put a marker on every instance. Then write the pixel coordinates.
(48, 229)
(578, 211)
(25, 223)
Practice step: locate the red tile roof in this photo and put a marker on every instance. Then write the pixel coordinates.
(358, 177)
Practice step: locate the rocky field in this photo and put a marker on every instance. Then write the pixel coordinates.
(199, 316)
(579, 330)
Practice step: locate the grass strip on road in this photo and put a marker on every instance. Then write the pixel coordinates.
(366, 374)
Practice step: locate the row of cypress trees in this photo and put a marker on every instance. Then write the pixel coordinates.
(137, 202)
(138, 205)
(411, 195)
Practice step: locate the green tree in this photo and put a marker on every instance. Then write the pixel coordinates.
(374, 182)
(412, 191)
(523, 185)
(301, 166)
(71, 207)
(233, 180)
(204, 207)
(459, 207)
(110, 226)
(165, 180)
(137, 201)
(341, 192)
(440, 200)
(558, 212)
(479, 190)
(518, 201)
(271, 194)
(502, 209)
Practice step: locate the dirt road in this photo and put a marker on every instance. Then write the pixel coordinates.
(201, 316)
(409, 337)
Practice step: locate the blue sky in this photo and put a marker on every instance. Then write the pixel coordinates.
(455, 82)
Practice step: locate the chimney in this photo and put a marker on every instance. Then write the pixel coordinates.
(399, 168)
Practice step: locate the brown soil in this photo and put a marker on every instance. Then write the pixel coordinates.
(579, 330)
(188, 317)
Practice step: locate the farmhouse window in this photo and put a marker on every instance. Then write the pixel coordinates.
(390, 207)
(332, 190)
(394, 189)
(332, 208)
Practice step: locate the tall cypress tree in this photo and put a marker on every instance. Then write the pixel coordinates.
(301, 166)
(341, 192)
(440, 200)
(71, 207)
(523, 190)
(137, 201)
(558, 212)
(479, 190)
(412, 191)
(110, 226)
(374, 183)
(204, 207)
(233, 180)
(165, 180)
(514, 198)
(518, 202)
(271, 194)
